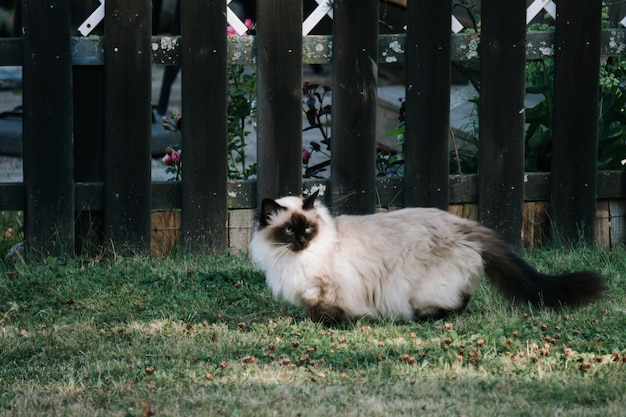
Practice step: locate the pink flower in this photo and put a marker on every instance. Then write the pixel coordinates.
(172, 156)
(306, 156)
(231, 31)
(175, 156)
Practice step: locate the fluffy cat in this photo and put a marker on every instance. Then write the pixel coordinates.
(408, 264)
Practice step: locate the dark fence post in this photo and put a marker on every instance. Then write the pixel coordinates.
(501, 112)
(355, 71)
(279, 98)
(128, 116)
(88, 83)
(47, 128)
(203, 55)
(427, 129)
(575, 124)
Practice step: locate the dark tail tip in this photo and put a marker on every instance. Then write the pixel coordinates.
(575, 289)
(516, 279)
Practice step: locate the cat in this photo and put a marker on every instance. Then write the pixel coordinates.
(410, 264)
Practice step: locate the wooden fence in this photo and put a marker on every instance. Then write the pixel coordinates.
(87, 152)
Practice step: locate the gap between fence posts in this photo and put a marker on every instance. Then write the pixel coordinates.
(355, 74)
(279, 98)
(128, 115)
(575, 124)
(204, 131)
(427, 129)
(501, 118)
(47, 128)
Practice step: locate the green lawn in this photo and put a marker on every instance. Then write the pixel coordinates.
(199, 336)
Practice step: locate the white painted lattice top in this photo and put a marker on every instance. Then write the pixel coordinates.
(538, 6)
(325, 7)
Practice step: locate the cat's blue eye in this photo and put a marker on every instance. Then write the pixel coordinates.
(288, 230)
(308, 229)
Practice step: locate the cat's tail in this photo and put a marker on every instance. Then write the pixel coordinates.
(520, 281)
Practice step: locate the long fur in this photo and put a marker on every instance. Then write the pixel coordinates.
(407, 264)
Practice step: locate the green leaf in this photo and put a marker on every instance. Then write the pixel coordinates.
(539, 139)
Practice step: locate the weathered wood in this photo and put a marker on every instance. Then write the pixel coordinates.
(463, 188)
(47, 128)
(279, 98)
(617, 221)
(536, 226)
(602, 224)
(501, 118)
(427, 128)
(167, 195)
(240, 224)
(536, 186)
(611, 184)
(316, 49)
(355, 73)
(128, 116)
(165, 233)
(575, 121)
(470, 211)
(389, 192)
(456, 209)
(204, 131)
(88, 95)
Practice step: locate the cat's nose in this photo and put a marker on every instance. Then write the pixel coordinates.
(300, 242)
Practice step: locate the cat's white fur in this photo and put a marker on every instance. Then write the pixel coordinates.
(405, 264)
(382, 265)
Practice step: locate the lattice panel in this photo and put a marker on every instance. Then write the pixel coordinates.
(234, 22)
(324, 8)
(538, 6)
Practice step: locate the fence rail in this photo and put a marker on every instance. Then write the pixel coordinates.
(316, 49)
(117, 184)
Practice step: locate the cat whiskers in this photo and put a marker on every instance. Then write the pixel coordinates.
(281, 250)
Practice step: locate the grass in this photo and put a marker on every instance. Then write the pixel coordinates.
(199, 336)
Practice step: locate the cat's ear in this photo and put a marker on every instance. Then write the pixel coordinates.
(308, 203)
(269, 208)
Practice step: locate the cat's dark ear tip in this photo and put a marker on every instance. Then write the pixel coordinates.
(309, 202)
(269, 207)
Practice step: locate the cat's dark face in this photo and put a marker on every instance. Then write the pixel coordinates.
(293, 228)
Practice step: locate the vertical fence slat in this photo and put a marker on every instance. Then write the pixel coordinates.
(47, 131)
(279, 98)
(355, 71)
(128, 133)
(427, 130)
(575, 124)
(204, 203)
(88, 85)
(501, 112)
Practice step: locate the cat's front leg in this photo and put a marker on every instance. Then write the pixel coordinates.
(321, 311)
(327, 314)
(311, 295)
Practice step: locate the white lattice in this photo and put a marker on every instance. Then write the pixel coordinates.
(324, 8)
(537, 6)
(234, 21)
(92, 21)
(456, 25)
